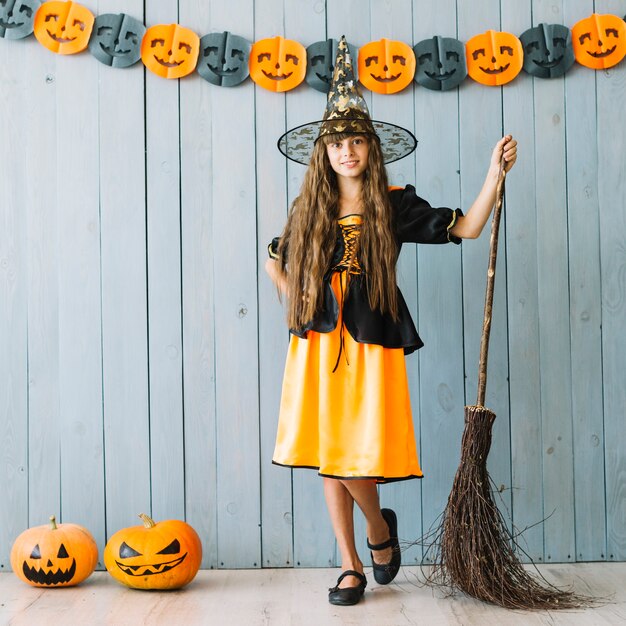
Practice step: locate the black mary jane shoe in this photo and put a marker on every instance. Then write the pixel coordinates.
(347, 596)
(384, 573)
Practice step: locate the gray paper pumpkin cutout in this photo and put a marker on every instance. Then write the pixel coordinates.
(223, 59)
(548, 50)
(17, 18)
(440, 63)
(320, 63)
(116, 39)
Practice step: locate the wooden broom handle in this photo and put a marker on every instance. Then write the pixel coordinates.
(491, 280)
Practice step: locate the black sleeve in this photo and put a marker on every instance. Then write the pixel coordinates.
(416, 221)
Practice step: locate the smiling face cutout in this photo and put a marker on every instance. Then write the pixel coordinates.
(386, 66)
(494, 58)
(170, 50)
(63, 27)
(440, 63)
(223, 59)
(17, 18)
(599, 41)
(277, 64)
(321, 63)
(548, 51)
(116, 39)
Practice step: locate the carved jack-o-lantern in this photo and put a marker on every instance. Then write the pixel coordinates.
(54, 555)
(17, 18)
(548, 51)
(599, 41)
(170, 50)
(163, 555)
(320, 63)
(386, 66)
(440, 63)
(63, 27)
(116, 39)
(277, 64)
(494, 58)
(223, 59)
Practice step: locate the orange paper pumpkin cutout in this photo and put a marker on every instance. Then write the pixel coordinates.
(63, 27)
(277, 64)
(494, 58)
(170, 50)
(386, 66)
(599, 41)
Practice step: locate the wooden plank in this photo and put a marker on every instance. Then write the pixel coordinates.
(392, 21)
(44, 412)
(522, 303)
(15, 80)
(79, 297)
(236, 332)
(585, 304)
(611, 88)
(124, 286)
(198, 298)
(553, 310)
(476, 144)
(164, 289)
(441, 385)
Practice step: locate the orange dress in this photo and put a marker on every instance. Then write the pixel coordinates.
(345, 407)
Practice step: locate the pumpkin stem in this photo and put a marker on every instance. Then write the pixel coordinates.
(53, 522)
(148, 522)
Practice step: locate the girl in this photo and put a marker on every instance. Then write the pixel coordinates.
(345, 406)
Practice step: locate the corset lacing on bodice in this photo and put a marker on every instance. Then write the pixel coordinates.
(350, 231)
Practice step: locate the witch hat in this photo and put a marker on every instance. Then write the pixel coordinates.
(346, 112)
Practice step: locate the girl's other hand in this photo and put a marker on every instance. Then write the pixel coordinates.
(507, 147)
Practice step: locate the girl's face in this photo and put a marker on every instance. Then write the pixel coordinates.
(348, 157)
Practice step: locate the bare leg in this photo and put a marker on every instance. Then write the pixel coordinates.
(365, 494)
(341, 510)
(340, 498)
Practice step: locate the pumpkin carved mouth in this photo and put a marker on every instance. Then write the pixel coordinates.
(600, 55)
(114, 53)
(41, 577)
(11, 24)
(60, 39)
(276, 76)
(441, 77)
(548, 64)
(226, 71)
(150, 570)
(495, 70)
(165, 63)
(384, 79)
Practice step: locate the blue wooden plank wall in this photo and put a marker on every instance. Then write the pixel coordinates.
(142, 345)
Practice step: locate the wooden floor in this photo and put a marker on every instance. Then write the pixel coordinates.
(295, 597)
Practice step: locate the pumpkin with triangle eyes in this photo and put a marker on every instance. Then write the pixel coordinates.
(599, 41)
(494, 58)
(277, 64)
(63, 27)
(170, 50)
(155, 555)
(386, 66)
(54, 555)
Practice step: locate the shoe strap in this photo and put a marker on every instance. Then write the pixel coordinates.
(381, 546)
(351, 572)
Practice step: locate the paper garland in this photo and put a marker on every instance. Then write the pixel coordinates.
(278, 64)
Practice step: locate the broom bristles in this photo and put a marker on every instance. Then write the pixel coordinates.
(477, 554)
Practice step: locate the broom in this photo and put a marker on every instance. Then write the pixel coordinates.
(477, 551)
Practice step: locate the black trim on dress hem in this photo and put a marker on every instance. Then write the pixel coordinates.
(378, 479)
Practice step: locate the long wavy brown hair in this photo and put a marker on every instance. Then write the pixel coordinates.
(308, 240)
